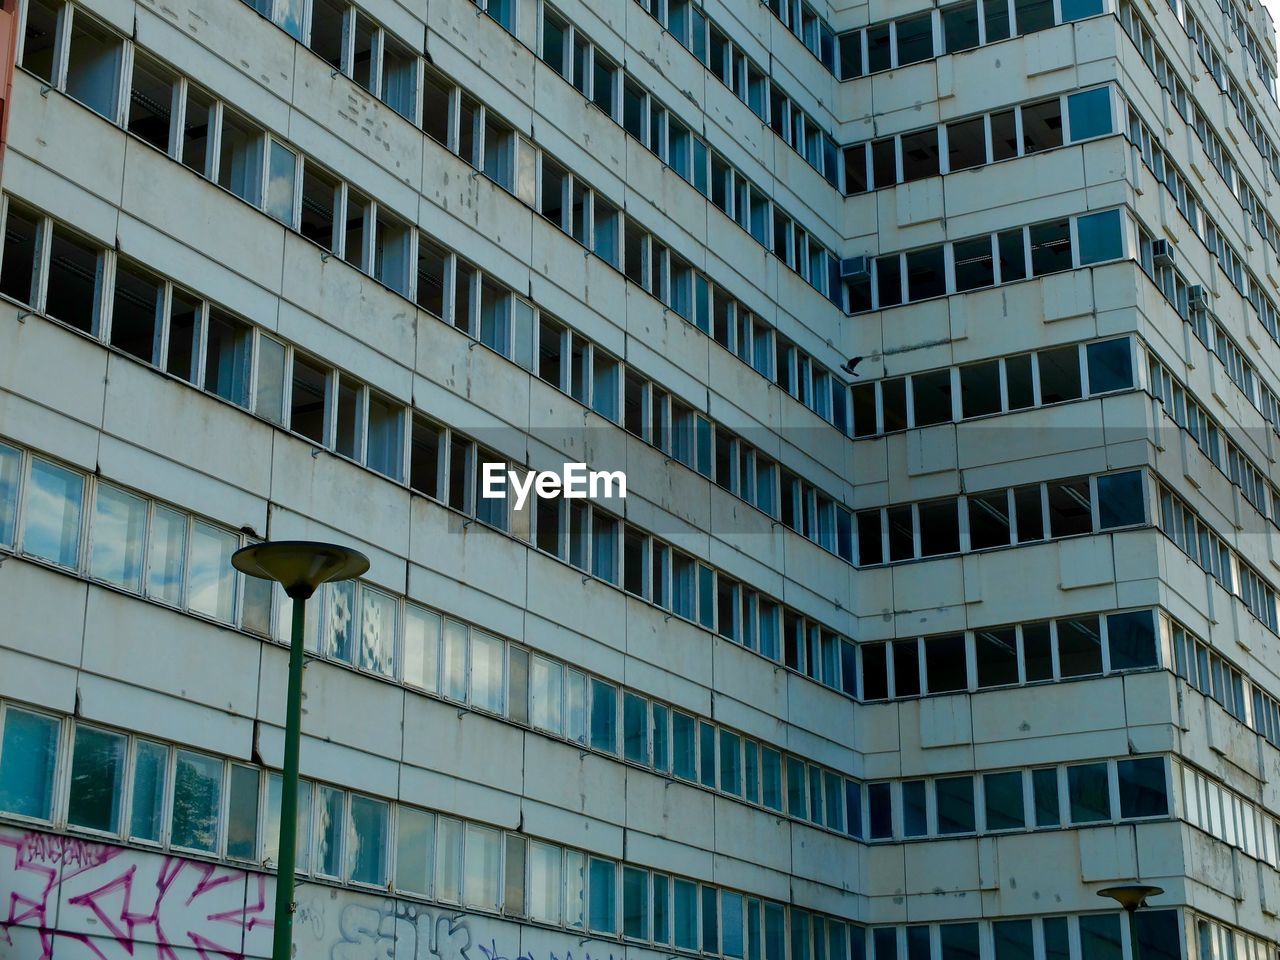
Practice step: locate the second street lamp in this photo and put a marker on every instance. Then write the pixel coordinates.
(300, 566)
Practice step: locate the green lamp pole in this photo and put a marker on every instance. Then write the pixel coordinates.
(300, 566)
(1132, 896)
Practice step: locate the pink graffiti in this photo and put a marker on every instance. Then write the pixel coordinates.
(114, 901)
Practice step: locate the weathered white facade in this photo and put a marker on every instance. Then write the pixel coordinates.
(903, 663)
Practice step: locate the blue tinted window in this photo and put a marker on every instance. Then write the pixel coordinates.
(1089, 112)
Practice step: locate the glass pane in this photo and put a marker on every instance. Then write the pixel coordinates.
(1142, 787)
(1101, 237)
(268, 400)
(168, 555)
(421, 647)
(1004, 800)
(543, 889)
(448, 860)
(1089, 113)
(197, 796)
(1088, 793)
(55, 497)
(1109, 366)
(330, 804)
(955, 804)
(488, 662)
(455, 660)
(119, 530)
(483, 858)
(281, 175)
(27, 757)
(150, 777)
(97, 780)
(377, 631)
(242, 813)
(1131, 640)
(10, 465)
(604, 716)
(635, 903)
(226, 369)
(415, 850)
(367, 840)
(1120, 500)
(212, 578)
(1100, 937)
(136, 309)
(271, 830)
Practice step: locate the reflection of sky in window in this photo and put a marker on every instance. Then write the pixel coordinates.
(212, 589)
(168, 545)
(289, 16)
(10, 461)
(280, 183)
(377, 631)
(119, 527)
(53, 513)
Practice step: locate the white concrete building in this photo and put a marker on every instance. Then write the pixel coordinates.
(901, 657)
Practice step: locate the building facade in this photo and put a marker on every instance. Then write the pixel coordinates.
(940, 348)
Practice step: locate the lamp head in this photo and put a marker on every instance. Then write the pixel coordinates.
(1131, 896)
(300, 566)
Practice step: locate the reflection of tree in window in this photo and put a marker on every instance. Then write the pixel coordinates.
(97, 780)
(197, 792)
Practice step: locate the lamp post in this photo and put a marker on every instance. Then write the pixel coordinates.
(300, 566)
(1132, 896)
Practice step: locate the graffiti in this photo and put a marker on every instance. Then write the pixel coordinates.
(400, 931)
(491, 953)
(111, 899)
(65, 898)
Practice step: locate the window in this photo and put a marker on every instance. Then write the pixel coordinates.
(1100, 936)
(119, 531)
(151, 98)
(960, 27)
(974, 264)
(1003, 793)
(240, 160)
(1087, 792)
(228, 349)
(544, 884)
(1101, 237)
(18, 273)
(150, 774)
(28, 753)
(136, 311)
(1070, 512)
(1142, 787)
(1051, 246)
(915, 39)
(1110, 366)
(602, 894)
(415, 850)
(635, 903)
(1089, 112)
(488, 656)
(955, 804)
(1044, 784)
(1120, 500)
(1033, 15)
(997, 656)
(75, 271)
(93, 64)
(604, 716)
(482, 862)
(1059, 374)
(1042, 126)
(211, 578)
(1131, 640)
(931, 397)
(319, 203)
(197, 795)
(54, 502)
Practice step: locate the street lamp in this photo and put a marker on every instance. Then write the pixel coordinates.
(1132, 896)
(300, 566)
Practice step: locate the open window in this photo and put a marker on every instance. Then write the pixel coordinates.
(18, 268)
(136, 311)
(40, 39)
(75, 276)
(94, 62)
(320, 197)
(240, 157)
(229, 344)
(153, 92)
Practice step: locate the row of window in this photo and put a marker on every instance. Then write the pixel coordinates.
(998, 385)
(993, 259)
(1214, 940)
(1191, 304)
(62, 517)
(1102, 791)
(728, 63)
(210, 138)
(1159, 162)
(1211, 553)
(1017, 131)
(1088, 645)
(147, 792)
(1183, 409)
(999, 518)
(1224, 814)
(951, 29)
(1216, 677)
(126, 305)
(589, 70)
